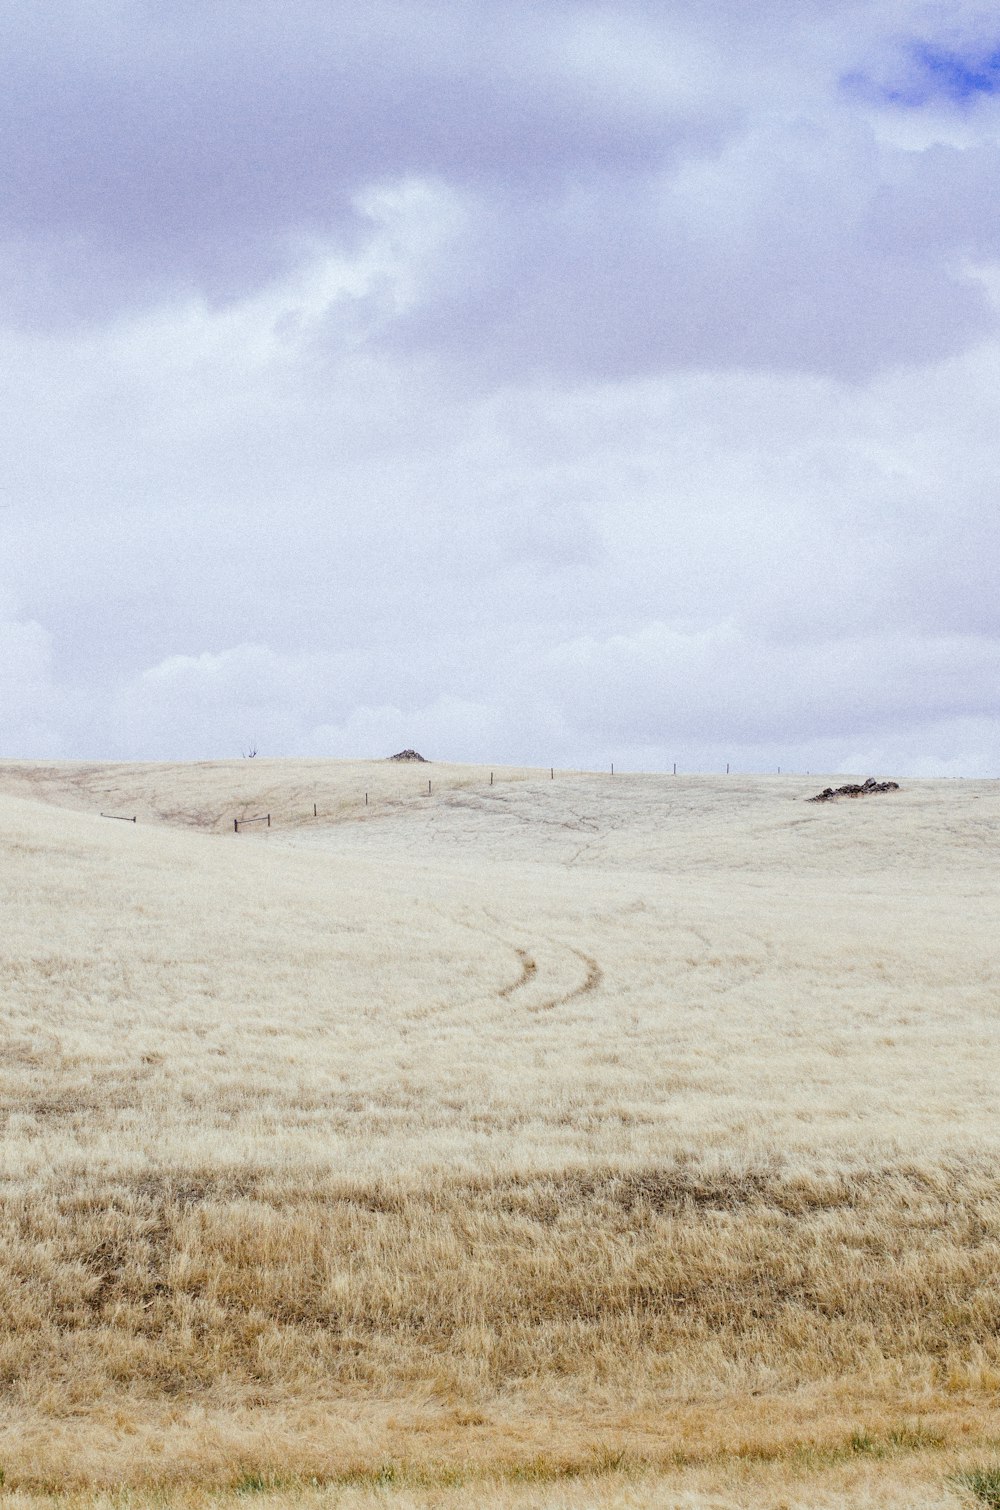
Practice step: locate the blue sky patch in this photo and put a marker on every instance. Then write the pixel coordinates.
(933, 73)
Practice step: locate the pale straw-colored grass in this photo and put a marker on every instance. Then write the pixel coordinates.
(488, 1139)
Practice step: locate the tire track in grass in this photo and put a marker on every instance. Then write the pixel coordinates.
(529, 972)
(529, 969)
(592, 981)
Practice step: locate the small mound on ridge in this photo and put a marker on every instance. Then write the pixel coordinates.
(409, 755)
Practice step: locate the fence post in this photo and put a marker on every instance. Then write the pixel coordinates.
(314, 810)
(491, 778)
(269, 820)
(552, 773)
(428, 788)
(236, 825)
(366, 799)
(675, 768)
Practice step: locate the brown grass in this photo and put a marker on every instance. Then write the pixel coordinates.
(396, 1167)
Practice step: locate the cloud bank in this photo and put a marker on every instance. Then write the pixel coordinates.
(558, 383)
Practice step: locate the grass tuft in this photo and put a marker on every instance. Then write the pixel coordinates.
(252, 1483)
(863, 1444)
(983, 1484)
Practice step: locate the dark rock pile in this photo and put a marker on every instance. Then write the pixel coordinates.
(867, 789)
(409, 755)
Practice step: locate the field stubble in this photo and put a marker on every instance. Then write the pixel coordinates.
(497, 1137)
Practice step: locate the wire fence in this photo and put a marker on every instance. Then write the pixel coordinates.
(265, 818)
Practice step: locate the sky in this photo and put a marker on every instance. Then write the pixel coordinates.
(530, 381)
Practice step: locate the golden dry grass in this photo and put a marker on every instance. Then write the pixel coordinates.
(467, 1146)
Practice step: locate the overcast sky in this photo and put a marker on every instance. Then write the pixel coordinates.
(540, 382)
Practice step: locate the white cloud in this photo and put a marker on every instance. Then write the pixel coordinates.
(32, 707)
(591, 386)
(25, 662)
(450, 728)
(722, 686)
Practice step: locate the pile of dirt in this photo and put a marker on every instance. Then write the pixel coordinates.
(409, 755)
(867, 789)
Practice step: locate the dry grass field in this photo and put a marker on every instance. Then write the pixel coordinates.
(613, 1141)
